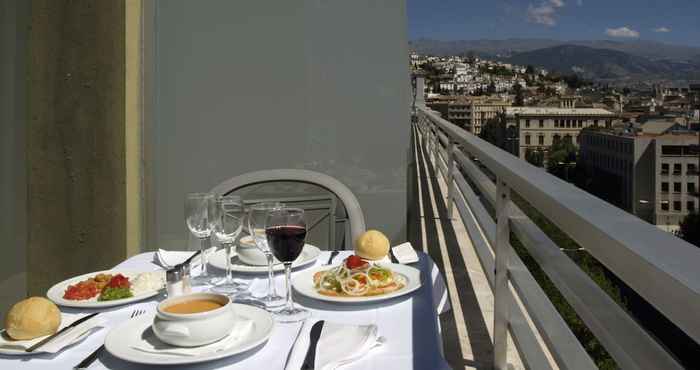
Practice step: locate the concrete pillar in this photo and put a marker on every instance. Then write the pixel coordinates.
(14, 16)
(75, 139)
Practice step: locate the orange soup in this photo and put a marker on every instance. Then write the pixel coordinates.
(193, 306)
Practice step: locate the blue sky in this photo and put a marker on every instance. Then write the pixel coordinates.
(671, 21)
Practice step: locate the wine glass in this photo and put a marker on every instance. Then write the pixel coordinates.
(226, 219)
(256, 227)
(197, 220)
(285, 229)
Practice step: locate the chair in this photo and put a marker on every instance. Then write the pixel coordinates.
(354, 220)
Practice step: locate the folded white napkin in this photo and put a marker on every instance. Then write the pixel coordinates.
(240, 331)
(339, 344)
(405, 253)
(71, 336)
(169, 259)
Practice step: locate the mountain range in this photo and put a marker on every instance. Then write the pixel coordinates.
(594, 59)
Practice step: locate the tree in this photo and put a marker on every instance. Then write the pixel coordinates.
(690, 229)
(491, 89)
(495, 132)
(529, 70)
(574, 81)
(562, 159)
(519, 99)
(534, 157)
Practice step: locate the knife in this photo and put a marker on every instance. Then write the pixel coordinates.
(188, 260)
(310, 360)
(50, 338)
(392, 256)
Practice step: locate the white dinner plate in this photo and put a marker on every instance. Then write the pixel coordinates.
(303, 283)
(56, 292)
(308, 255)
(121, 340)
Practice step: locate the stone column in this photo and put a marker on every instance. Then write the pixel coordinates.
(75, 139)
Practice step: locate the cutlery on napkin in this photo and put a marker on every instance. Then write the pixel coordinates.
(70, 336)
(151, 344)
(339, 344)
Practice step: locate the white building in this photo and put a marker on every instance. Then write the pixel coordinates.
(541, 127)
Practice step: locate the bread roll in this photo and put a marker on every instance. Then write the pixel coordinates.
(32, 318)
(372, 245)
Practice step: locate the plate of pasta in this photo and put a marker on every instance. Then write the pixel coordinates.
(357, 280)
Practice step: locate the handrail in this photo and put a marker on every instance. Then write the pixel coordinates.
(635, 348)
(603, 316)
(657, 265)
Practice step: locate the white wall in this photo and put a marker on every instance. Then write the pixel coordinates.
(248, 85)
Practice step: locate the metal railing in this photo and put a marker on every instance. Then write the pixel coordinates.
(658, 266)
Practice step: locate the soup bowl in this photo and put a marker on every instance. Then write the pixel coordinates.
(249, 253)
(188, 328)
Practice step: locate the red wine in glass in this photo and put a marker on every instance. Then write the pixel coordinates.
(286, 242)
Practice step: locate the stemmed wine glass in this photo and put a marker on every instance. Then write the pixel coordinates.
(197, 220)
(285, 229)
(226, 218)
(256, 227)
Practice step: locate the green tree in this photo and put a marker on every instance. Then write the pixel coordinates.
(519, 98)
(690, 229)
(534, 157)
(529, 70)
(574, 81)
(491, 89)
(562, 159)
(494, 131)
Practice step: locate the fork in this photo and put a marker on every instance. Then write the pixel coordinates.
(85, 363)
(333, 254)
(289, 354)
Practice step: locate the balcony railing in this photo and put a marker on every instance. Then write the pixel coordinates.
(658, 266)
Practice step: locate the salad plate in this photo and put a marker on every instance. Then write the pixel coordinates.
(58, 292)
(126, 341)
(218, 259)
(311, 282)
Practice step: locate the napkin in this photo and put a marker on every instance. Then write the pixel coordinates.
(169, 259)
(339, 344)
(151, 344)
(405, 253)
(71, 336)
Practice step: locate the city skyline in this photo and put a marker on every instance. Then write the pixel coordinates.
(672, 22)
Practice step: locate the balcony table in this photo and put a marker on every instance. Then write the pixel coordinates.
(409, 324)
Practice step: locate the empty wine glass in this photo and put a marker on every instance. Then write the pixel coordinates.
(226, 218)
(285, 229)
(197, 220)
(256, 227)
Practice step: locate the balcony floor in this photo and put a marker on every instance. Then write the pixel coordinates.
(466, 329)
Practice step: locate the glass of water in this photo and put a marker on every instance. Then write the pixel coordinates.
(256, 227)
(197, 221)
(226, 218)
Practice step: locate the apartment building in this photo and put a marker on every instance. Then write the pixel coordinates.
(540, 127)
(473, 112)
(652, 176)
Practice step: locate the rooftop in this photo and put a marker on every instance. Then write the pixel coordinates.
(548, 111)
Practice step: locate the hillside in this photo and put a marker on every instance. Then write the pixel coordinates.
(508, 47)
(594, 63)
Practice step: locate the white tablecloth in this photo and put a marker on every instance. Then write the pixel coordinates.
(409, 325)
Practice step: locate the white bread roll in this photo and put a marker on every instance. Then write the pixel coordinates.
(372, 245)
(32, 318)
